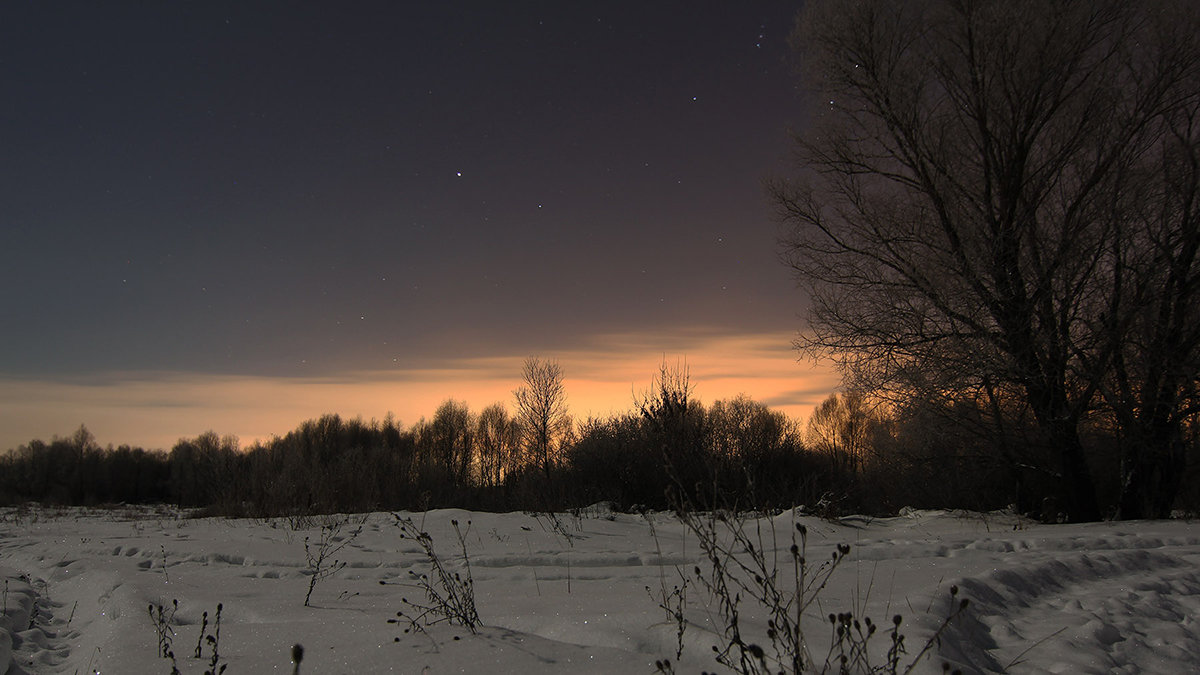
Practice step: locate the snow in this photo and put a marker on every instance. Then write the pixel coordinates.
(580, 593)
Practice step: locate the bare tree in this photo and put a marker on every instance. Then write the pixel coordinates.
(668, 400)
(841, 427)
(1153, 390)
(747, 430)
(962, 195)
(676, 429)
(542, 411)
(498, 439)
(452, 441)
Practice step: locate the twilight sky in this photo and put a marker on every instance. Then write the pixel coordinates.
(239, 215)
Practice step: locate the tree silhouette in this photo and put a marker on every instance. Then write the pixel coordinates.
(963, 217)
(542, 411)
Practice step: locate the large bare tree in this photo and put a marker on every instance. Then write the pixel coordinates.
(542, 411)
(1153, 389)
(963, 219)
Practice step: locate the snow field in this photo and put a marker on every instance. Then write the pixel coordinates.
(569, 594)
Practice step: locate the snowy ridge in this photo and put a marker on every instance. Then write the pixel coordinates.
(1125, 611)
(34, 637)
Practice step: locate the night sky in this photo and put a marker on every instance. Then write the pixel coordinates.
(238, 215)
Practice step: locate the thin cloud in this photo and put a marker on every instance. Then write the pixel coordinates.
(798, 398)
(156, 408)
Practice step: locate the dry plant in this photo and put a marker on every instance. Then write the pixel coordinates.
(162, 617)
(297, 657)
(449, 594)
(320, 554)
(215, 667)
(746, 566)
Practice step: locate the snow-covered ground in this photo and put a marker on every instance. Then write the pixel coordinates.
(570, 594)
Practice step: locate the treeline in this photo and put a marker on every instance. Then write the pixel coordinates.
(735, 452)
(967, 449)
(852, 455)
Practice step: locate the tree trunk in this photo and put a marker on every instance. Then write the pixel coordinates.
(1153, 475)
(1078, 490)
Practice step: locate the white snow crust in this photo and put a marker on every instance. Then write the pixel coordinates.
(1121, 597)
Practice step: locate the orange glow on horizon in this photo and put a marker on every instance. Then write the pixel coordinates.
(154, 410)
